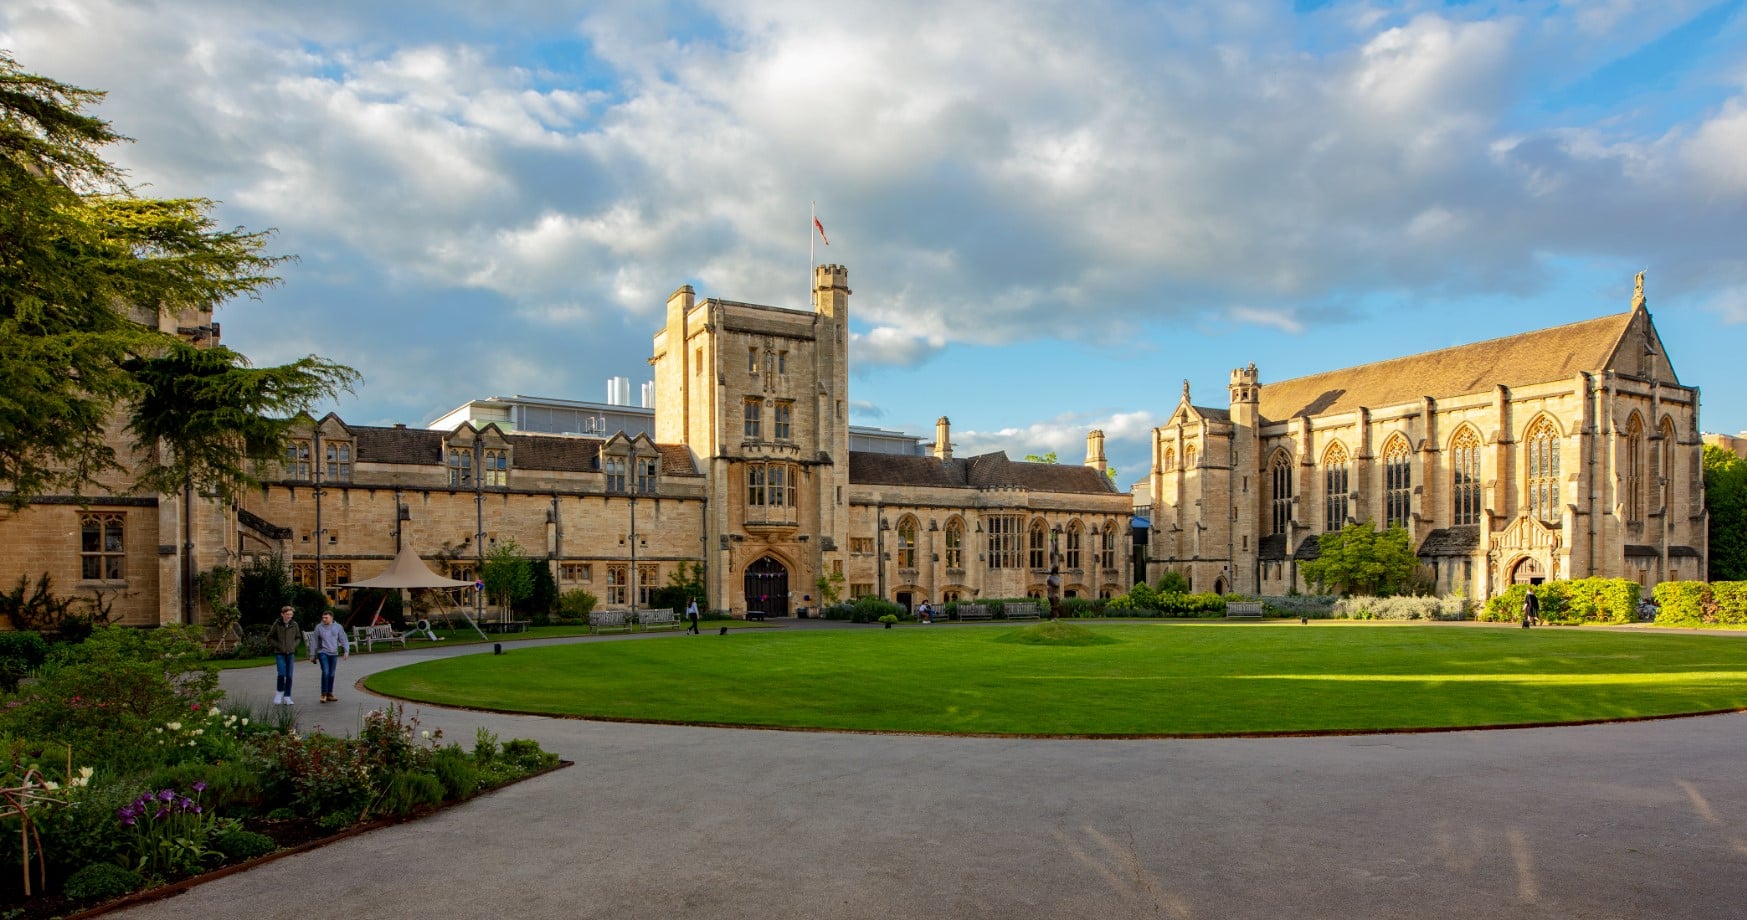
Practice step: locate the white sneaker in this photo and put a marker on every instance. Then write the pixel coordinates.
(278, 698)
(287, 701)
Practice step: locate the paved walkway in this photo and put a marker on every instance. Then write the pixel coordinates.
(1640, 820)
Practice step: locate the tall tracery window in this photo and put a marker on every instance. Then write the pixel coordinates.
(1465, 478)
(1634, 469)
(907, 543)
(460, 466)
(297, 458)
(1107, 547)
(644, 473)
(1073, 551)
(1542, 446)
(770, 485)
(1397, 483)
(615, 470)
(782, 420)
(1335, 472)
(1664, 475)
(1170, 461)
(1280, 474)
(102, 547)
(955, 544)
(1004, 535)
(339, 461)
(1039, 545)
(1189, 457)
(495, 469)
(753, 409)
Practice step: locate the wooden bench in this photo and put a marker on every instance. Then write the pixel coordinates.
(602, 621)
(657, 619)
(975, 612)
(1243, 610)
(368, 636)
(1021, 611)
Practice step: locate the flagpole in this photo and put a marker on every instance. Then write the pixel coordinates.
(813, 206)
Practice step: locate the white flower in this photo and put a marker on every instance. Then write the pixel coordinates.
(245, 721)
(200, 731)
(425, 735)
(173, 726)
(50, 785)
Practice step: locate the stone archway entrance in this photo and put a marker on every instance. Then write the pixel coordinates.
(767, 589)
(1528, 572)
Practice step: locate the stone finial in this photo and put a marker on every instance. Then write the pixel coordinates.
(1185, 389)
(1638, 292)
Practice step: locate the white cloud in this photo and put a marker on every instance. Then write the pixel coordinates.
(1283, 320)
(889, 345)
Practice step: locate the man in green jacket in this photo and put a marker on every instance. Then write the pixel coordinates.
(283, 637)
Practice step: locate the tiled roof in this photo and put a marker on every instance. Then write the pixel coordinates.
(1310, 549)
(398, 445)
(988, 471)
(570, 455)
(1518, 360)
(1451, 541)
(1272, 548)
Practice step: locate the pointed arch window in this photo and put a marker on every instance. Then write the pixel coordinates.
(1107, 546)
(907, 543)
(1189, 457)
(1397, 483)
(1335, 486)
(1280, 477)
(297, 459)
(495, 468)
(1038, 540)
(102, 547)
(1633, 464)
(1170, 460)
(339, 461)
(1074, 535)
(955, 544)
(1664, 472)
(1465, 478)
(1542, 446)
(461, 466)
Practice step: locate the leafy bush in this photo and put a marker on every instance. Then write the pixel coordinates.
(104, 695)
(408, 791)
(102, 881)
(1312, 606)
(21, 653)
(1583, 600)
(526, 754)
(870, 609)
(75, 834)
(452, 768)
(1078, 607)
(233, 787)
(263, 586)
(1695, 603)
(236, 844)
(317, 774)
(576, 604)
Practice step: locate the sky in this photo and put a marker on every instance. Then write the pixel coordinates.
(1052, 214)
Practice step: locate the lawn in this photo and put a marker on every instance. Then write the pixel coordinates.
(1153, 679)
(465, 636)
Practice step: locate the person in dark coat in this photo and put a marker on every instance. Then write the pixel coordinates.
(283, 637)
(691, 615)
(1531, 609)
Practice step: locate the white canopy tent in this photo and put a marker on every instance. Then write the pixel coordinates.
(408, 572)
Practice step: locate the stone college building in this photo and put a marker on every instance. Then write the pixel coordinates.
(1555, 454)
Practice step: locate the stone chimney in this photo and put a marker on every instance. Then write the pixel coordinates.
(943, 438)
(1095, 450)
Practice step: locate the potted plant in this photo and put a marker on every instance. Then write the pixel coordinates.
(889, 619)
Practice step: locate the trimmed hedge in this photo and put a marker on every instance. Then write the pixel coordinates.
(1581, 600)
(1696, 603)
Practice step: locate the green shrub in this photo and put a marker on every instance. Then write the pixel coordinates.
(105, 696)
(409, 791)
(870, 609)
(233, 787)
(576, 604)
(1695, 603)
(452, 768)
(236, 844)
(1312, 606)
(1079, 607)
(21, 653)
(102, 881)
(526, 754)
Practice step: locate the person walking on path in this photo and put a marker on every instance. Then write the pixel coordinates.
(1531, 609)
(691, 615)
(326, 645)
(283, 637)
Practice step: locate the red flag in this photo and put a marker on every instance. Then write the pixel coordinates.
(821, 228)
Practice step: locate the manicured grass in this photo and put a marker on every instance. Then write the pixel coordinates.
(1155, 679)
(466, 636)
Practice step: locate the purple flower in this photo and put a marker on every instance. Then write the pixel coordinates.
(161, 815)
(199, 786)
(128, 821)
(197, 809)
(167, 794)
